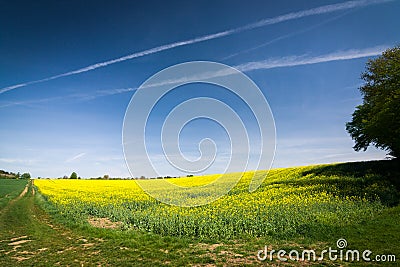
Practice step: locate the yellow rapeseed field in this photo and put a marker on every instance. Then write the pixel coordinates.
(291, 201)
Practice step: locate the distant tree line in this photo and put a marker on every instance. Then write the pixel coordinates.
(74, 175)
(12, 175)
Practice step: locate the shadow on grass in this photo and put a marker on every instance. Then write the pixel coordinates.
(371, 180)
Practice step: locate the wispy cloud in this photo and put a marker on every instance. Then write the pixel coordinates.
(291, 61)
(78, 97)
(25, 161)
(29, 103)
(11, 160)
(75, 157)
(317, 150)
(108, 92)
(262, 23)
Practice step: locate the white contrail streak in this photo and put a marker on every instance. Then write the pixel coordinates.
(75, 157)
(77, 96)
(285, 36)
(265, 22)
(288, 61)
(292, 61)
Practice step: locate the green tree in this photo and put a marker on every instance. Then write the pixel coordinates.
(376, 121)
(26, 175)
(73, 176)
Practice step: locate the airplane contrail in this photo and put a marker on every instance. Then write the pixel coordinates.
(271, 63)
(75, 157)
(265, 22)
(292, 61)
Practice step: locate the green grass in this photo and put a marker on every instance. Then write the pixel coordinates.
(46, 241)
(9, 189)
(57, 239)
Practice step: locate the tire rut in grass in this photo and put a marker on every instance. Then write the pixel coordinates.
(29, 236)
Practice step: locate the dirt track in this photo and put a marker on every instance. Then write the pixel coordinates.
(28, 237)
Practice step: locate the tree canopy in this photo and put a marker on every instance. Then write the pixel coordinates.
(73, 176)
(26, 175)
(376, 121)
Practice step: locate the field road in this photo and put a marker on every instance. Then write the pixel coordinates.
(28, 238)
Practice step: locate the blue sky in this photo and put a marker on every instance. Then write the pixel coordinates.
(62, 111)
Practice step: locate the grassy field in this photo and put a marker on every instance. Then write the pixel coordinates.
(10, 189)
(91, 223)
